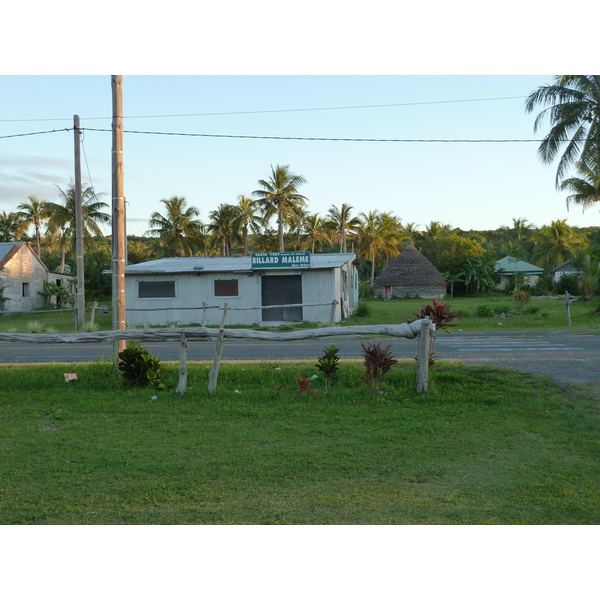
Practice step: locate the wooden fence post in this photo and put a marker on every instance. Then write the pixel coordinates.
(423, 358)
(568, 308)
(93, 313)
(182, 365)
(204, 314)
(214, 372)
(333, 305)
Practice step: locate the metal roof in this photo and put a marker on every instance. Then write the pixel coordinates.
(6, 247)
(221, 264)
(512, 265)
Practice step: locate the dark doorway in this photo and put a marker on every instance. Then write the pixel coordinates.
(282, 289)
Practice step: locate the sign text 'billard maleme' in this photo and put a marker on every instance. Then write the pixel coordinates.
(280, 260)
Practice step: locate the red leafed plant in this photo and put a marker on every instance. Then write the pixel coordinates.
(440, 314)
(377, 362)
(304, 385)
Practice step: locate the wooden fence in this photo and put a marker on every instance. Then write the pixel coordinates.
(422, 329)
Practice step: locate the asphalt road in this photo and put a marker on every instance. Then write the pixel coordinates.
(570, 356)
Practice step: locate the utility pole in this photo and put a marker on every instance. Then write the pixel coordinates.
(80, 305)
(118, 215)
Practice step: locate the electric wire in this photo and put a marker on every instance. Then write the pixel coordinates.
(284, 110)
(291, 138)
(14, 135)
(314, 139)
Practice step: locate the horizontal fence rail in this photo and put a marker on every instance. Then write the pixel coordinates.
(172, 334)
(423, 329)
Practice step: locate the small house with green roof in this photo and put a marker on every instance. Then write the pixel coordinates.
(510, 266)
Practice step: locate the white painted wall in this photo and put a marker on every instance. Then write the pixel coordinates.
(191, 290)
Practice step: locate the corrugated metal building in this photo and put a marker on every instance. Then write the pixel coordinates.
(174, 290)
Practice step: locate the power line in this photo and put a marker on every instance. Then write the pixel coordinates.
(290, 138)
(2, 137)
(283, 110)
(313, 139)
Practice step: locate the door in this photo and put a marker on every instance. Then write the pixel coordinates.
(281, 289)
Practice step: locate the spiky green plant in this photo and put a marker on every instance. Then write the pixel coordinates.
(328, 364)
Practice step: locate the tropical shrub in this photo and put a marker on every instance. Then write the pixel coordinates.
(483, 311)
(362, 310)
(34, 327)
(304, 385)
(440, 314)
(568, 282)
(377, 363)
(328, 364)
(522, 298)
(501, 309)
(139, 367)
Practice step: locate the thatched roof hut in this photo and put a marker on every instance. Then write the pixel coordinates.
(411, 275)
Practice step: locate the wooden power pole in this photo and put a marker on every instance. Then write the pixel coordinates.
(80, 305)
(118, 214)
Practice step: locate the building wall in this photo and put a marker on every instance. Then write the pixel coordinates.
(412, 291)
(191, 290)
(23, 277)
(528, 280)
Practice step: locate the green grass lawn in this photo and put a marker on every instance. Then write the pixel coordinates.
(486, 446)
(543, 314)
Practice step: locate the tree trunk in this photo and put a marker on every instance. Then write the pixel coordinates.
(280, 230)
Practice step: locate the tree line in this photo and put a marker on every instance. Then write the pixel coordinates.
(275, 216)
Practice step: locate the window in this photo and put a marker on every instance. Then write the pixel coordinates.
(226, 287)
(156, 289)
(25, 290)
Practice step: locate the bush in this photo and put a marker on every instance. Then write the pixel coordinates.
(533, 310)
(328, 364)
(501, 309)
(483, 310)
(568, 283)
(139, 367)
(362, 310)
(439, 313)
(377, 363)
(35, 327)
(522, 298)
(365, 290)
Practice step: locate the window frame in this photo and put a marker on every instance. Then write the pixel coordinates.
(237, 288)
(155, 281)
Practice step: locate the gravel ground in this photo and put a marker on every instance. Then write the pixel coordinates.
(567, 368)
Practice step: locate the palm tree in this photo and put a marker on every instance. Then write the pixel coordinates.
(316, 231)
(179, 230)
(585, 189)
(225, 226)
(342, 223)
(573, 108)
(248, 218)
(391, 231)
(34, 212)
(373, 237)
(62, 217)
(279, 195)
(296, 220)
(409, 233)
(556, 243)
(435, 229)
(11, 226)
(590, 271)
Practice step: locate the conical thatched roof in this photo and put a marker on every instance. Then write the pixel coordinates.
(410, 268)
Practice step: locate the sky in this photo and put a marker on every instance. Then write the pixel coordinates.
(467, 184)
